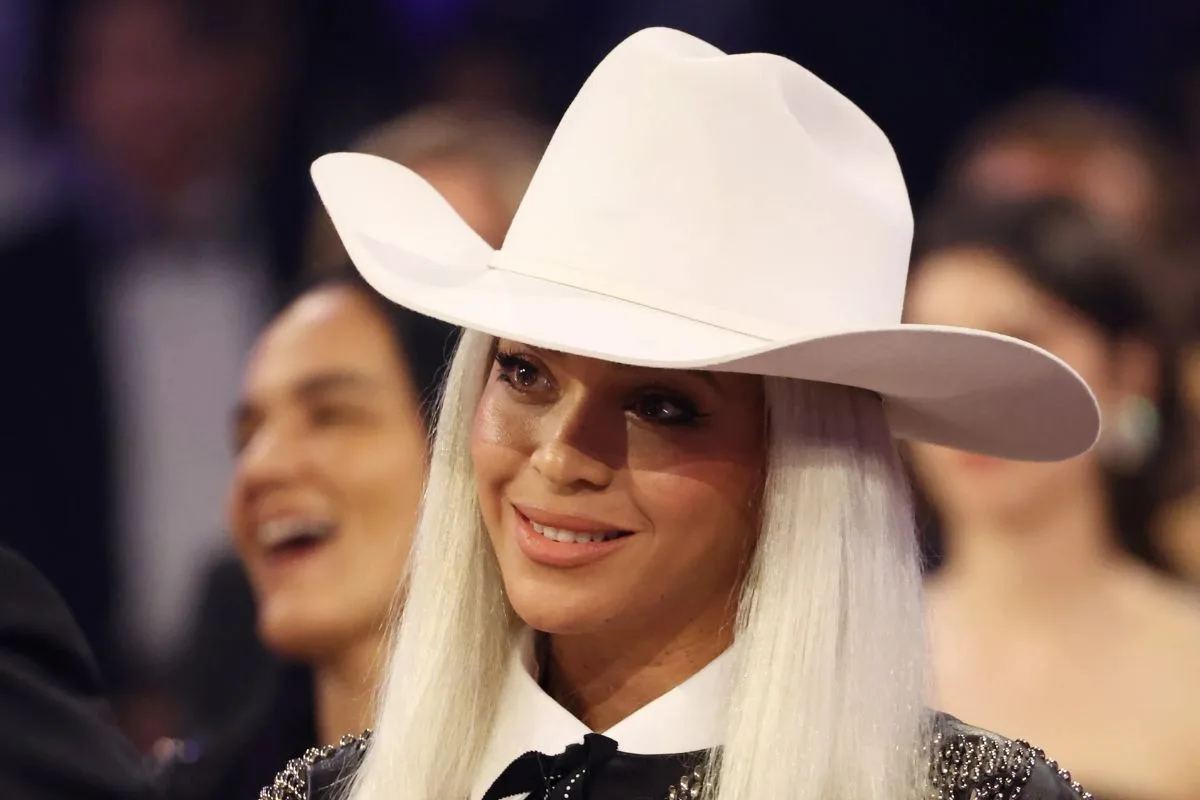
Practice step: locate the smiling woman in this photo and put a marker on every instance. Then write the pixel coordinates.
(331, 448)
(664, 491)
(641, 481)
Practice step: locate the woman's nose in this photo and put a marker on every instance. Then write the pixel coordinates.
(271, 457)
(578, 447)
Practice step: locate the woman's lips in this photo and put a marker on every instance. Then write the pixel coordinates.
(289, 544)
(564, 547)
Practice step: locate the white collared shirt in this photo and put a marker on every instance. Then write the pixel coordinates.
(690, 717)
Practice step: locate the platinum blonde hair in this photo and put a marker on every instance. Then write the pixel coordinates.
(827, 702)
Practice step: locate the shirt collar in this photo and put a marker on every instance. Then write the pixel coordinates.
(689, 717)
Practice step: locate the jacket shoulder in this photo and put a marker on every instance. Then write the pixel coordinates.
(60, 737)
(969, 762)
(316, 774)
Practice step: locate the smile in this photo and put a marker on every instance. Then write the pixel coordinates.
(286, 543)
(569, 542)
(574, 537)
(293, 533)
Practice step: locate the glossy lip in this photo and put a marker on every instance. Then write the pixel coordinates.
(564, 555)
(564, 521)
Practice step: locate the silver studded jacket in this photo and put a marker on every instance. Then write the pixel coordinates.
(967, 763)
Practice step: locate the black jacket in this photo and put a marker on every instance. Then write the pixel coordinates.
(58, 738)
(967, 763)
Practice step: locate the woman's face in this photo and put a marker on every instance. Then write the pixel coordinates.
(618, 499)
(330, 465)
(975, 289)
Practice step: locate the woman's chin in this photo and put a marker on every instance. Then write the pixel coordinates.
(553, 613)
(300, 634)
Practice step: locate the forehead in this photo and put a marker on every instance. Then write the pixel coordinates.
(975, 288)
(334, 329)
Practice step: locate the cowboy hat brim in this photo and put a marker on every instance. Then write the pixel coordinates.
(962, 388)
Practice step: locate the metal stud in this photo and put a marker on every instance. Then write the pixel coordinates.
(981, 768)
(292, 782)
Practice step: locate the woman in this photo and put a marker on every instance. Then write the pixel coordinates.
(1055, 144)
(665, 493)
(481, 162)
(331, 456)
(1045, 561)
(331, 459)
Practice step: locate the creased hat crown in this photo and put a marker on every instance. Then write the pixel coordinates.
(807, 229)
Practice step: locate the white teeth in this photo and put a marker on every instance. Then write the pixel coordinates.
(573, 537)
(279, 532)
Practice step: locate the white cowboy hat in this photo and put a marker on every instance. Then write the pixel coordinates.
(700, 210)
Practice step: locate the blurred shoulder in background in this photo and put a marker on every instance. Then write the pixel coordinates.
(58, 735)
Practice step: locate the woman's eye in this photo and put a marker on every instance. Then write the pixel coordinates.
(516, 371)
(328, 415)
(666, 410)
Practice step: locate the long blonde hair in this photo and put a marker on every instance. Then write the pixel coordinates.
(827, 699)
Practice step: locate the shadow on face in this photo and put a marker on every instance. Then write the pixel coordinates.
(618, 498)
(330, 466)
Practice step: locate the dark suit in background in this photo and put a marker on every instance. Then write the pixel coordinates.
(58, 738)
(56, 498)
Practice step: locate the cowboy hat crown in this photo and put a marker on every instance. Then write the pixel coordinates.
(739, 191)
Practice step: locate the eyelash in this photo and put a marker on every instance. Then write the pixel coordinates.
(509, 363)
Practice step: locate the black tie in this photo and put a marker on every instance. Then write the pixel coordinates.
(561, 777)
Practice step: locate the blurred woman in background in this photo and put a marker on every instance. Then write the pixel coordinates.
(332, 445)
(1049, 621)
(1127, 173)
(331, 450)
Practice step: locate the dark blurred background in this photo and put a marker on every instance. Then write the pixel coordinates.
(155, 208)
